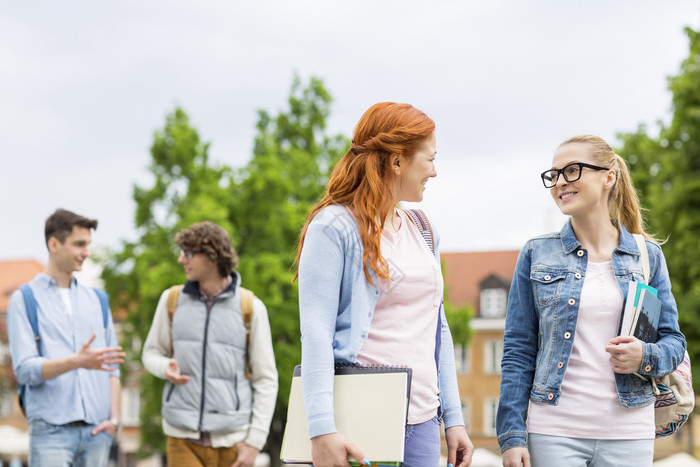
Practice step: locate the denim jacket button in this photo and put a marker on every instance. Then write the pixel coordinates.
(572, 301)
(547, 277)
(647, 368)
(567, 335)
(577, 275)
(580, 253)
(560, 364)
(550, 396)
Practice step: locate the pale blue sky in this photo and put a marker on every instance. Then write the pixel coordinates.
(83, 85)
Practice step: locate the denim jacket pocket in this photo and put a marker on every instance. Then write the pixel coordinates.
(547, 284)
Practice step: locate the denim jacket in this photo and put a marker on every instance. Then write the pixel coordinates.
(336, 305)
(541, 326)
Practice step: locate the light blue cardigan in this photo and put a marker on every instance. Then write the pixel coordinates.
(336, 304)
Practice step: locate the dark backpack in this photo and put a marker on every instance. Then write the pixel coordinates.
(31, 305)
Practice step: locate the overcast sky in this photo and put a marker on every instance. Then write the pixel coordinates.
(84, 84)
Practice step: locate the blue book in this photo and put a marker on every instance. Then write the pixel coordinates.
(646, 320)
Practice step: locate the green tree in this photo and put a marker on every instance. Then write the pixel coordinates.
(287, 174)
(666, 170)
(458, 316)
(186, 189)
(262, 205)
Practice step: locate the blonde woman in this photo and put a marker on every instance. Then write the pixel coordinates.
(562, 355)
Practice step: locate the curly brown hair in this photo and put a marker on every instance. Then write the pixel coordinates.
(213, 241)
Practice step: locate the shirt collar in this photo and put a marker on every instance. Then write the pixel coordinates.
(47, 281)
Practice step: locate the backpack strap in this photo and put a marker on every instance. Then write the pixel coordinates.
(30, 306)
(642, 245)
(421, 220)
(171, 305)
(104, 303)
(247, 312)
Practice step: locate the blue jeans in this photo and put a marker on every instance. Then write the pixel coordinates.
(422, 444)
(560, 451)
(67, 446)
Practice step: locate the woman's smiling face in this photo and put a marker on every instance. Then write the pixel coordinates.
(589, 191)
(415, 171)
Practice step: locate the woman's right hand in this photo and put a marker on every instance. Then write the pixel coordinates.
(332, 450)
(516, 457)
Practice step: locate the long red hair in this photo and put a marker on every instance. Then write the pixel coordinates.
(363, 179)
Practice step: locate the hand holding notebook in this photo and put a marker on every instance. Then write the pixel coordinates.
(335, 448)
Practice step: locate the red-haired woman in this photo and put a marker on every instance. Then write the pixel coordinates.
(370, 289)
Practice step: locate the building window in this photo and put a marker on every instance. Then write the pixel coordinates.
(493, 303)
(462, 359)
(7, 400)
(131, 406)
(5, 355)
(490, 410)
(466, 413)
(493, 353)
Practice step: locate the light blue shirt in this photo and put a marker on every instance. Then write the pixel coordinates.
(76, 395)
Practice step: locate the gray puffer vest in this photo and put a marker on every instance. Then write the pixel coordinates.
(209, 346)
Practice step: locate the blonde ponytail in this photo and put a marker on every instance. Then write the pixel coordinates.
(624, 202)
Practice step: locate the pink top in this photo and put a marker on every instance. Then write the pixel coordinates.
(589, 406)
(403, 328)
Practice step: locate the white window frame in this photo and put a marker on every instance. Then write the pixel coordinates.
(467, 413)
(131, 406)
(493, 303)
(462, 358)
(493, 353)
(490, 411)
(7, 401)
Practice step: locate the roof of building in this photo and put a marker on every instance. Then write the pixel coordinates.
(464, 272)
(13, 274)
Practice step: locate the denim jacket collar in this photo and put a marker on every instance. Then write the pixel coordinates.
(627, 243)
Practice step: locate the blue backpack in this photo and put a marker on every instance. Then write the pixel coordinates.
(31, 305)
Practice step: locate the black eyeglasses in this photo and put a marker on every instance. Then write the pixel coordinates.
(571, 173)
(189, 254)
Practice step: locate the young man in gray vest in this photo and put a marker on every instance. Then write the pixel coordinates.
(70, 372)
(214, 413)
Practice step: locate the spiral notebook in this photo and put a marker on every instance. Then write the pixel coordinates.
(370, 405)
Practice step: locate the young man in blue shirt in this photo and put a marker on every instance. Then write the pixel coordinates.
(71, 373)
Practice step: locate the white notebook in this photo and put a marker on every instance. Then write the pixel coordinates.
(370, 406)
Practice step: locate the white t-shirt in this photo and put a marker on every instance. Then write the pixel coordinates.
(65, 296)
